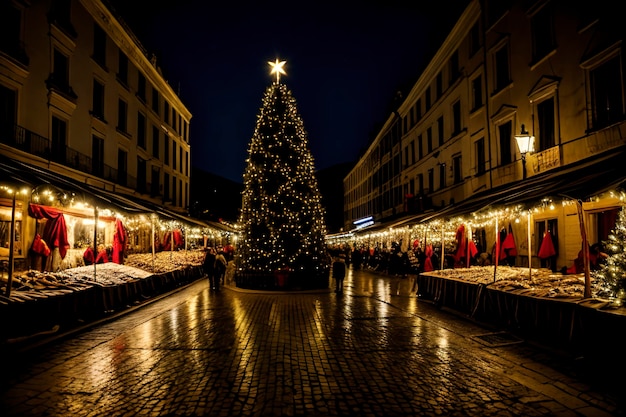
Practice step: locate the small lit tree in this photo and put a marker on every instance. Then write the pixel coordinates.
(612, 274)
(282, 217)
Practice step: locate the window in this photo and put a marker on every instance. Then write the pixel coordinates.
(166, 186)
(58, 139)
(180, 158)
(477, 93)
(406, 156)
(546, 124)
(155, 100)
(412, 151)
(99, 45)
(503, 74)
(180, 194)
(10, 32)
(420, 148)
(155, 141)
(154, 181)
(174, 118)
(122, 69)
(442, 176)
(455, 70)
(429, 140)
(542, 29)
(173, 154)
(457, 169)
(456, 117)
(98, 100)
(418, 110)
(61, 71)
(166, 149)
(166, 112)
(427, 98)
(475, 39)
(122, 167)
(607, 88)
(431, 180)
(122, 114)
(440, 131)
(60, 13)
(141, 87)
(479, 148)
(420, 183)
(141, 130)
(5, 235)
(97, 155)
(174, 192)
(439, 85)
(141, 175)
(8, 111)
(505, 138)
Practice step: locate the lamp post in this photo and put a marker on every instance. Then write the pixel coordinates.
(525, 144)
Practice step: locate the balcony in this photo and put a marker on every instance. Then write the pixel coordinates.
(29, 142)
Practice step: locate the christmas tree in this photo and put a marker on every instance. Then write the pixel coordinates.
(282, 218)
(612, 274)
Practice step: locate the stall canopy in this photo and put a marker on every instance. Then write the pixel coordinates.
(579, 181)
(32, 176)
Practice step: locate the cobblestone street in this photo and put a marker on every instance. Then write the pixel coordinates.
(375, 350)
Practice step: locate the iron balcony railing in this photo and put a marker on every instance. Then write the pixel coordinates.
(23, 139)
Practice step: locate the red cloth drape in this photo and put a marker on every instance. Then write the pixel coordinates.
(178, 240)
(88, 256)
(508, 245)
(40, 247)
(460, 243)
(546, 250)
(55, 231)
(119, 242)
(428, 263)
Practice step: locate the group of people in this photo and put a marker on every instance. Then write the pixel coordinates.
(214, 267)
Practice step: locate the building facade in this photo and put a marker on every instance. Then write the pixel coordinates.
(85, 109)
(546, 69)
(81, 97)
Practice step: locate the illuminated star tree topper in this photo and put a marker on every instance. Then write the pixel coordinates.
(277, 68)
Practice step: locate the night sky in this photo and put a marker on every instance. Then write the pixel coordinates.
(345, 64)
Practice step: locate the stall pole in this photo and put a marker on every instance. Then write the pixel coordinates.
(530, 253)
(583, 234)
(153, 242)
(443, 255)
(11, 245)
(184, 229)
(95, 242)
(497, 254)
(171, 242)
(468, 234)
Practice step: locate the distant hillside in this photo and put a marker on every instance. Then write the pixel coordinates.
(213, 197)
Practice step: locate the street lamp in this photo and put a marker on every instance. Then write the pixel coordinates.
(525, 144)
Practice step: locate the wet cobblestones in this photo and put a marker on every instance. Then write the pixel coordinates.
(374, 351)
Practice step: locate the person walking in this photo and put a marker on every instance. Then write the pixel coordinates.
(339, 272)
(220, 267)
(208, 267)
